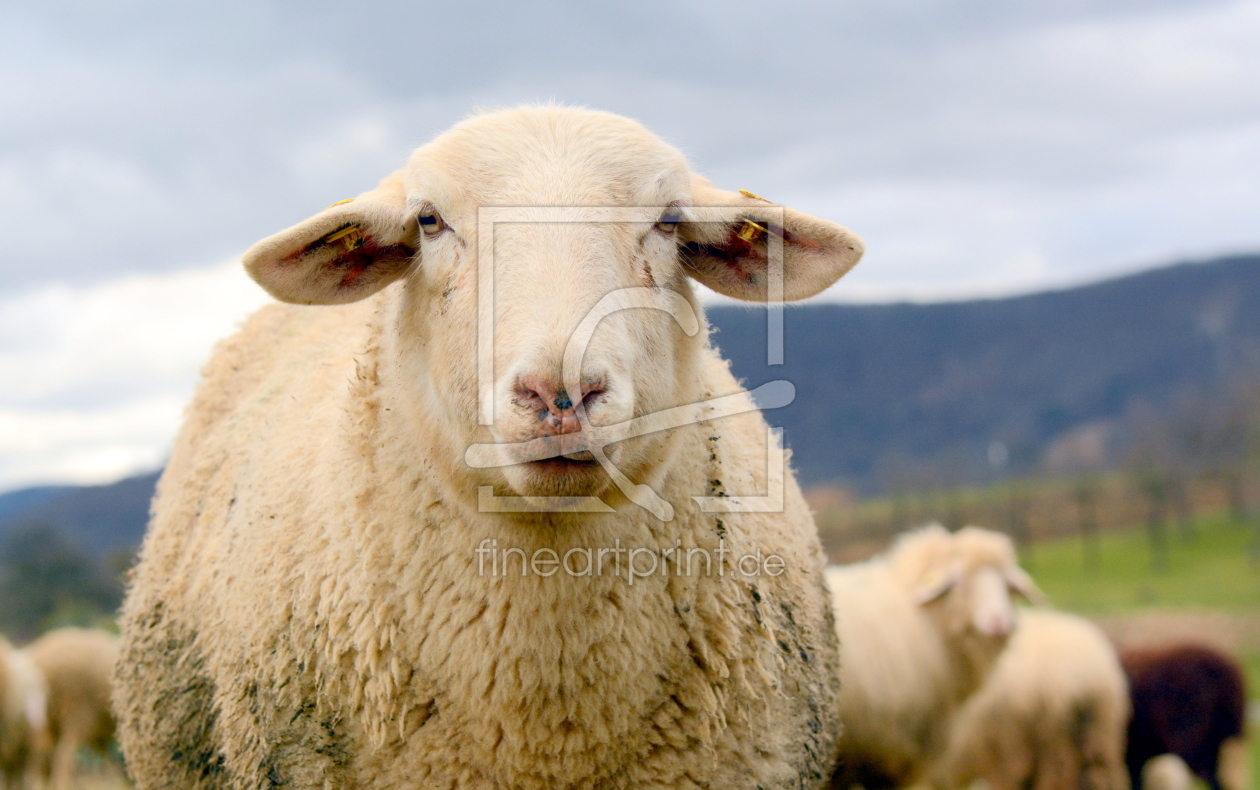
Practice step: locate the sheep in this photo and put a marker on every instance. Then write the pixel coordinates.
(1188, 700)
(76, 664)
(921, 627)
(1051, 716)
(23, 717)
(326, 595)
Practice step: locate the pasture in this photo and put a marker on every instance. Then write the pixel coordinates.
(1209, 590)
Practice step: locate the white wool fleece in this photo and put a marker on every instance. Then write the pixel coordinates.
(310, 610)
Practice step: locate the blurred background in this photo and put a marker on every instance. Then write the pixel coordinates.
(1055, 332)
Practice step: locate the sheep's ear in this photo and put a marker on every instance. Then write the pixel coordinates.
(729, 250)
(344, 253)
(935, 586)
(1020, 582)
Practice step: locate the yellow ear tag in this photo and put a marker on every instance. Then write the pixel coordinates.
(351, 237)
(341, 203)
(750, 230)
(752, 195)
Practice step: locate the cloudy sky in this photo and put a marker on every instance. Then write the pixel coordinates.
(979, 147)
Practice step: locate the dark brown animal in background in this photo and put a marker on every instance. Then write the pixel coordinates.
(77, 663)
(1188, 700)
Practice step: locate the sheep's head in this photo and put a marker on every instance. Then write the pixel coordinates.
(515, 232)
(966, 581)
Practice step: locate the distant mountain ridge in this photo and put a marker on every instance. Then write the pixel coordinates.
(24, 500)
(101, 520)
(881, 385)
(886, 388)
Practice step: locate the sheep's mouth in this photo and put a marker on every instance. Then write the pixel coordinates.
(559, 452)
(563, 463)
(568, 456)
(558, 476)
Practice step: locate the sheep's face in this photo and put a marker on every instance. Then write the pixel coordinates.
(547, 255)
(521, 186)
(967, 581)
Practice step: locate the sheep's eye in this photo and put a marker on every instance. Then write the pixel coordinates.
(670, 218)
(430, 221)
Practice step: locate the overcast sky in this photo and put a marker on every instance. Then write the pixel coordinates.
(979, 147)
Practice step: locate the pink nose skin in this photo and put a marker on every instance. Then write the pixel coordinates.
(557, 413)
(997, 625)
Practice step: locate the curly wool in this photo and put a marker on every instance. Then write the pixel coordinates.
(310, 608)
(327, 620)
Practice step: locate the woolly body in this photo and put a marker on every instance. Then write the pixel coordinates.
(77, 664)
(1051, 716)
(906, 666)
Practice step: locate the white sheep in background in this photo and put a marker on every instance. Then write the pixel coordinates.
(309, 609)
(76, 664)
(920, 627)
(1052, 715)
(23, 717)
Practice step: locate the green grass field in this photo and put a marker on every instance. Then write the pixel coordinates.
(1210, 568)
(1208, 575)
(1210, 578)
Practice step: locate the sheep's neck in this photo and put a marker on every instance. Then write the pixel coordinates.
(971, 664)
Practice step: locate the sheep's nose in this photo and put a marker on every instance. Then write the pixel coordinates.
(555, 408)
(997, 624)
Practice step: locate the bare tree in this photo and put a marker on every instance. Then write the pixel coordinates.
(1151, 467)
(1228, 435)
(1019, 507)
(1085, 492)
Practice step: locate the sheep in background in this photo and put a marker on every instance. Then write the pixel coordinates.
(1051, 716)
(309, 609)
(920, 629)
(1188, 700)
(76, 664)
(23, 717)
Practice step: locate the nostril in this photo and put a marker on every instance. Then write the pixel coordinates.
(540, 393)
(591, 390)
(530, 399)
(534, 391)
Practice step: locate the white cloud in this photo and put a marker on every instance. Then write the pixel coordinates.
(136, 139)
(95, 445)
(93, 380)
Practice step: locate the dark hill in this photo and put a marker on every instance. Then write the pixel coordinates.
(936, 384)
(15, 503)
(99, 519)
